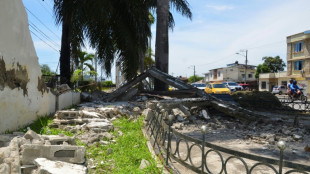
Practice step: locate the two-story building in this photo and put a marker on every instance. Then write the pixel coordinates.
(298, 64)
(233, 72)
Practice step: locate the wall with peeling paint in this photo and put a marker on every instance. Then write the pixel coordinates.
(22, 97)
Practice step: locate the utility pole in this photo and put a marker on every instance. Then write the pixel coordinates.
(246, 62)
(246, 65)
(194, 72)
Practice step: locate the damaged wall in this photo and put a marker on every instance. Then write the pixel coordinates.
(22, 97)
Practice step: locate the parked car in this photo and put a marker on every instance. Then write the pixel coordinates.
(217, 88)
(279, 90)
(245, 87)
(233, 86)
(201, 86)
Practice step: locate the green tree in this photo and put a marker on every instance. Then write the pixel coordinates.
(270, 65)
(45, 69)
(148, 59)
(82, 61)
(275, 64)
(195, 78)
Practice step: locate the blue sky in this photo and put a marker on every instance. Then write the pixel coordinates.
(218, 30)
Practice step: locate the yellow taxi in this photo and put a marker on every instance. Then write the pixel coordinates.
(217, 88)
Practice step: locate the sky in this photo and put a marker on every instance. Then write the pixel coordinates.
(218, 30)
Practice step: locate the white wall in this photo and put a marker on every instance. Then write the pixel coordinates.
(21, 98)
(68, 99)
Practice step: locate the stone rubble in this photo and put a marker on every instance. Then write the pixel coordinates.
(92, 122)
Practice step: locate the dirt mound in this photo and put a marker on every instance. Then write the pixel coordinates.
(257, 100)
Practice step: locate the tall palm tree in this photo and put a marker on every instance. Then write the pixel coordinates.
(66, 13)
(164, 21)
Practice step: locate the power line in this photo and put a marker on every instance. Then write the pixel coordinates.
(44, 41)
(40, 2)
(32, 25)
(42, 23)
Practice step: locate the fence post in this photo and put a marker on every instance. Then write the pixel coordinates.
(170, 122)
(281, 145)
(203, 131)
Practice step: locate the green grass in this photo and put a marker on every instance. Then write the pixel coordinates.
(40, 126)
(127, 151)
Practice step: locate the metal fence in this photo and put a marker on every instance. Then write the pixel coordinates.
(296, 104)
(162, 136)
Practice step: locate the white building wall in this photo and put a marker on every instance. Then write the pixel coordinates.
(23, 94)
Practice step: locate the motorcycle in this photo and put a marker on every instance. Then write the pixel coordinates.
(301, 96)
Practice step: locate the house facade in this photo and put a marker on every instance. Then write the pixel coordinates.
(298, 64)
(233, 72)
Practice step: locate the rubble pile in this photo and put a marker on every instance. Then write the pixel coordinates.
(32, 153)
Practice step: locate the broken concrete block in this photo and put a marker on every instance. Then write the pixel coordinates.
(104, 126)
(68, 114)
(136, 110)
(91, 114)
(144, 163)
(63, 87)
(180, 118)
(184, 109)
(72, 154)
(30, 134)
(205, 114)
(4, 138)
(4, 168)
(58, 140)
(38, 141)
(177, 111)
(148, 113)
(46, 166)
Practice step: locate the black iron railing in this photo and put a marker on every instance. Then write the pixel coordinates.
(163, 135)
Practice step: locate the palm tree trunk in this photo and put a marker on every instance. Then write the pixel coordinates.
(65, 48)
(162, 42)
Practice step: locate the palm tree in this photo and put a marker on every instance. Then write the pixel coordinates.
(81, 62)
(72, 36)
(164, 21)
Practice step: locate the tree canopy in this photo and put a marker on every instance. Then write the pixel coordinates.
(270, 65)
(117, 30)
(195, 78)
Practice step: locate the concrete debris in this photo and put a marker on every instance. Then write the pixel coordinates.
(177, 112)
(31, 135)
(144, 163)
(4, 169)
(204, 114)
(148, 113)
(46, 166)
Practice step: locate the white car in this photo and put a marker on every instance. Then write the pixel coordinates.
(233, 86)
(201, 86)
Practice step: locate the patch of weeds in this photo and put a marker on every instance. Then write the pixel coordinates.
(40, 126)
(71, 107)
(126, 154)
(52, 131)
(8, 132)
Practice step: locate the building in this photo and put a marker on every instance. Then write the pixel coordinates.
(298, 64)
(233, 72)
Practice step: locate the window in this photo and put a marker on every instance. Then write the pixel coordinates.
(298, 47)
(219, 73)
(242, 75)
(211, 74)
(298, 65)
(263, 85)
(250, 75)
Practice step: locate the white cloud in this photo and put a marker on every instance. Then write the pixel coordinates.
(220, 7)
